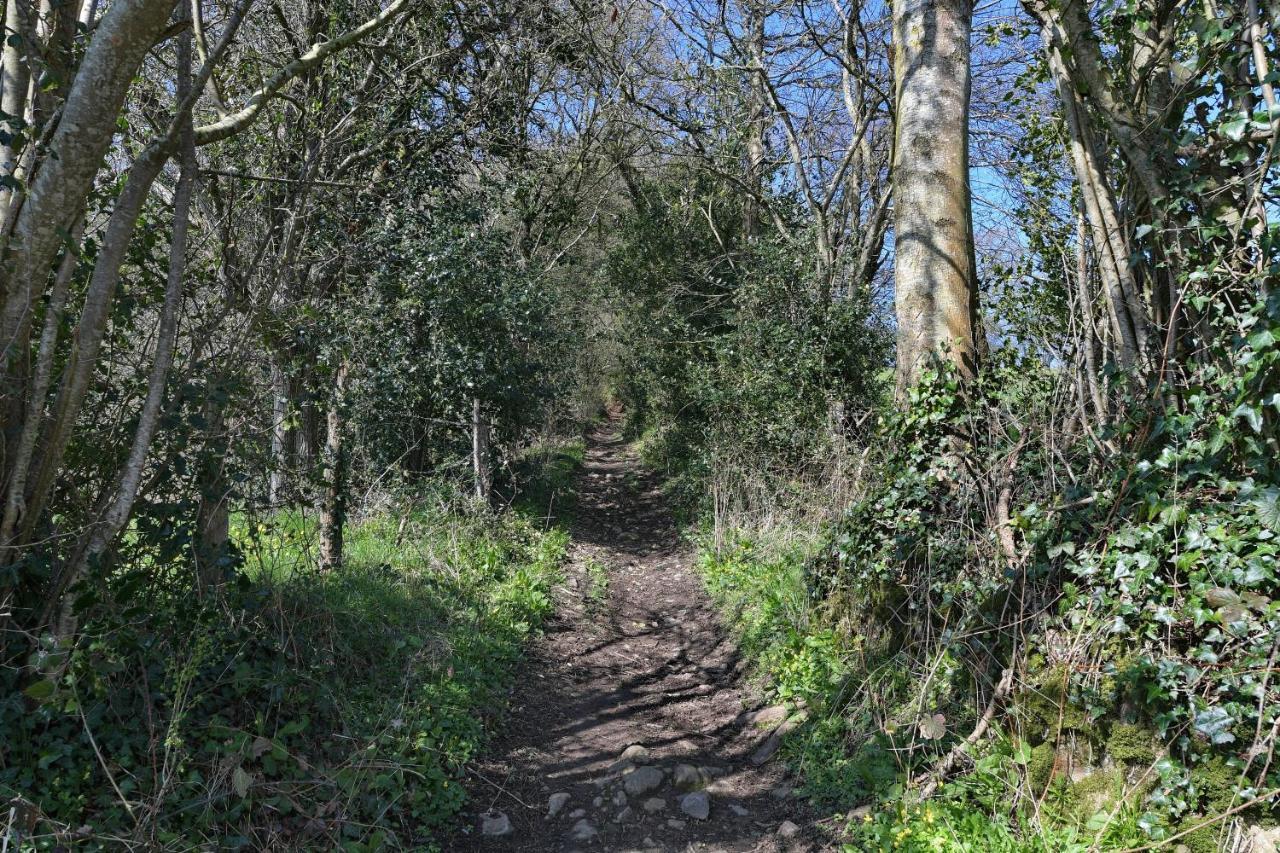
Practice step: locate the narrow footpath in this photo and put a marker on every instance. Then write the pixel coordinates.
(632, 727)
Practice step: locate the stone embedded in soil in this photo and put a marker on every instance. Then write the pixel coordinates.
(738, 810)
(635, 753)
(769, 717)
(583, 831)
(624, 815)
(619, 798)
(556, 802)
(675, 824)
(642, 780)
(787, 829)
(654, 804)
(771, 744)
(494, 823)
(696, 805)
(686, 777)
(577, 813)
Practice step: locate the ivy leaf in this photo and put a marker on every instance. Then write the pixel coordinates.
(41, 690)
(1267, 504)
(1215, 724)
(1251, 414)
(1234, 129)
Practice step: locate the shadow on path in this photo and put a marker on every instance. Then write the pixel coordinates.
(648, 665)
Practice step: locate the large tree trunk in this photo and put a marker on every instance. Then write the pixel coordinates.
(935, 293)
(756, 118)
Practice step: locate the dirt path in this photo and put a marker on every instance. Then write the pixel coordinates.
(641, 662)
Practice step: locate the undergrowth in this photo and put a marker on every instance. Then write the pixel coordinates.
(292, 709)
(1108, 601)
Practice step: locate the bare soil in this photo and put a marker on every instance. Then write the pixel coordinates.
(640, 660)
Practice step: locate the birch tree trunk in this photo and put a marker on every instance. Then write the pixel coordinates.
(935, 289)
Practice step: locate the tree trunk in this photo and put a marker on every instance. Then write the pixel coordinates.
(213, 518)
(480, 451)
(279, 433)
(935, 292)
(755, 121)
(333, 507)
(101, 534)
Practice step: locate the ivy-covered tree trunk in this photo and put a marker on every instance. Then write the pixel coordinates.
(935, 294)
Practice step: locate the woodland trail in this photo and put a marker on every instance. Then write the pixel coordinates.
(642, 662)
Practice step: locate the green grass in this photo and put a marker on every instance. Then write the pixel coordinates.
(298, 709)
(545, 477)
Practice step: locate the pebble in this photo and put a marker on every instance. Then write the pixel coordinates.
(686, 777)
(577, 813)
(738, 810)
(787, 829)
(624, 815)
(556, 802)
(675, 824)
(494, 823)
(654, 804)
(696, 805)
(583, 831)
(642, 780)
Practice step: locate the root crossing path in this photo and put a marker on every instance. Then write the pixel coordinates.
(631, 727)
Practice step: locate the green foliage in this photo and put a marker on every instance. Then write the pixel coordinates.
(334, 710)
(735, 352)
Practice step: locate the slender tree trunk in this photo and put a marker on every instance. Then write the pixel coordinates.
(935, 287)
(101, 534)
(1089, 333)
(1129, 317)
(213, 517)
(480, 451)
(279, 432)
(333, 507)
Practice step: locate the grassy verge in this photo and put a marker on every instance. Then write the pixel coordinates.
(294, 710)
(804, 656)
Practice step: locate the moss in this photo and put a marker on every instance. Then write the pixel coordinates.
(1131, 744)
(1094, 793)
(1040, 767)
(1203, 840)
(1046, 708)
(1216, 782)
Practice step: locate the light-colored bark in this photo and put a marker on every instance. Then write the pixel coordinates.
(232, 124)
(1128, 315)
(935, 288)
(333, 503)
(101, 534)
(58, 191)
(480, 451)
